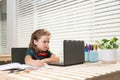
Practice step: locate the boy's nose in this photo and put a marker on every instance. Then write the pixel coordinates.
(47, 44)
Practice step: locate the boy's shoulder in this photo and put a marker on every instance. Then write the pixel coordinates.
(29, 51)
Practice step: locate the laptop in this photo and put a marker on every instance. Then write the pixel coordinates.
(73, 53)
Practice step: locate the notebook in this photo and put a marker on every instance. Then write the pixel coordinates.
(73, 53)
(14, 66)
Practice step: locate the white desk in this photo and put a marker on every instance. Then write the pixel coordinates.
(75, 72)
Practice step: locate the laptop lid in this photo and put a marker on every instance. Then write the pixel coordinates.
(73, 52)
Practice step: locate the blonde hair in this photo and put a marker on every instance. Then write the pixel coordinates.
(36, 36)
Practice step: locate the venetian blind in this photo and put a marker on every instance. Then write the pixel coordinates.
(24, 22)
(3, 27)
(87, 20)
(107, 19)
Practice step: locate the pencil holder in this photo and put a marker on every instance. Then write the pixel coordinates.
(86, 55)
(93, 56)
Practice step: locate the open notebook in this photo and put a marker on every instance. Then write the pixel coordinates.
(20, 66)
(14, 66)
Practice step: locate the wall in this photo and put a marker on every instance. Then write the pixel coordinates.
(11, 24)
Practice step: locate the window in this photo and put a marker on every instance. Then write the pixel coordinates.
(107, 19)
(24, 23)
(3, 39)
(87, 20)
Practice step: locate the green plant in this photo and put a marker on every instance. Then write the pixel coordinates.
(108, 44)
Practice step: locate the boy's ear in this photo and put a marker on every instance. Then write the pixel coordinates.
(35, 42)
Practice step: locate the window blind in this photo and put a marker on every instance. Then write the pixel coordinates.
(3, 38)
(24, 22)
(87, 20)
(107, 19)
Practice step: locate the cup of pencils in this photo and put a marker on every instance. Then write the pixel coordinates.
(91, 53)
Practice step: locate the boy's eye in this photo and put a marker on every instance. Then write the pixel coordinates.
(45, 41)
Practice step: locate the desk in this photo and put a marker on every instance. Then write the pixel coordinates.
(5, 57)
(75, 72)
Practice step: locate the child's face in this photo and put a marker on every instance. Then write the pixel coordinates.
(43, 43)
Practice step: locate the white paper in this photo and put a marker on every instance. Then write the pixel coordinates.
(21, 66)
(13, 66)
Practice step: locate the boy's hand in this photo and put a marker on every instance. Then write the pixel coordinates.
(39, 63)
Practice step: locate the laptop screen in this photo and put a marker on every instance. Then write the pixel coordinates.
(73, 52)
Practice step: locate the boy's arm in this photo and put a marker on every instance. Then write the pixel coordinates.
(53, 58)
(32, 62)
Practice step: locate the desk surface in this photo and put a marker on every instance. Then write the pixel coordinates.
(75, 72)
(5, 57)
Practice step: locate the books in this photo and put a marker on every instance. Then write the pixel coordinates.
(20, 66)
(14, 66)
